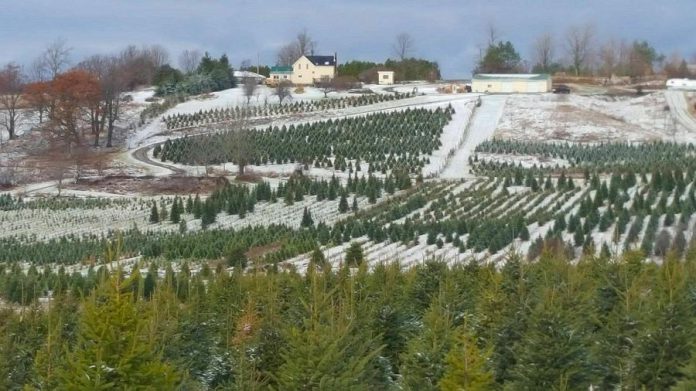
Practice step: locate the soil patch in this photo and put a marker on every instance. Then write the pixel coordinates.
(149, 185)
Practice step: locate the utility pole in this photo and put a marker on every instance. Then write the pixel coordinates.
(258, 63)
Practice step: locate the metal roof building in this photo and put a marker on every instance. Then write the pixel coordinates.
(511, 83)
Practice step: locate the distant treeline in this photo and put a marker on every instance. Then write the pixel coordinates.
(408, 69)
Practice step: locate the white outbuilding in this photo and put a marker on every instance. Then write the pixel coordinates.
(511, 83)
(385, 77)
(681, 84)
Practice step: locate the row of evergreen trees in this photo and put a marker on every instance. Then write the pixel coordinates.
(203, 117)
(386, 141)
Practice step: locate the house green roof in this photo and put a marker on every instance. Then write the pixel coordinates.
(283, 69)
(512, 76)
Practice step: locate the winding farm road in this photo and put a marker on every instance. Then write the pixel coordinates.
(679, 108)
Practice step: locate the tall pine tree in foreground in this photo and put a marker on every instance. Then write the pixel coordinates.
(114, 348)
(466, 366)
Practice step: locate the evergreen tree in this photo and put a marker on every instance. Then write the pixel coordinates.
(163, 214)
(354, 255)
(423, 362)
(343, 204)
(306, 219)
(114, 349)
(466, 366)
(189, 204)
(154, 215)
(175, 215)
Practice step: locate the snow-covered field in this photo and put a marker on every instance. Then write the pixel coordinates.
(574, 118)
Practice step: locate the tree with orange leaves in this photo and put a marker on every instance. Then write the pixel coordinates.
(37, 95)
(73, 93)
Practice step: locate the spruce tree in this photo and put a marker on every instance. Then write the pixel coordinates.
(175, 214)
(466, 366)
(189, 204)
(114, 349)
(154, 215)
(354, 255)
(343, 204)
(306, 219)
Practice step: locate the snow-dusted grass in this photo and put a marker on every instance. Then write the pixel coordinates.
(575, 118)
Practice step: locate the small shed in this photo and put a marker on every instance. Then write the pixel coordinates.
(278, 74)
(385, 77)
(511, 83)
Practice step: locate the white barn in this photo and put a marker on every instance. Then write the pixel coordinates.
(681, 84)
(511, 83)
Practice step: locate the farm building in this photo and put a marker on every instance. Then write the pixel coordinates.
(308, 69)
(511, 83)
(279, 73)
(239, 76)
(681, 84)
(385, 77)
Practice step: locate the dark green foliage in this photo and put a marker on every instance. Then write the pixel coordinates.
(343, 204)
(392, 141)
(154, 215)
(306, 219)
(354, 255)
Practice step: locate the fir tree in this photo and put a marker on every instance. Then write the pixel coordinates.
(114, 349)
(154, 215)
(466, 366)
(343, 204)
(306, 219)
(354, 255)
(175, 215)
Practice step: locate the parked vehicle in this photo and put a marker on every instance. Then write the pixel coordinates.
(561, 89)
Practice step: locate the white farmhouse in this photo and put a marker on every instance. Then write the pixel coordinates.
(309, 69)
(511, 83)
(385, 77)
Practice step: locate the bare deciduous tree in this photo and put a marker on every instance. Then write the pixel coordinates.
(249, 85)
(56, 57)
(282, 91)
(158, 54)
(543, 51)
(37, 70)
(189, 60)
(326, 85)
(403, 46)
(301, 46)
(11, 87)
(608, 58)
(579, 46)
(113, 84)
(140, 65)
(241, 145)
(305, 43)
(492, 33)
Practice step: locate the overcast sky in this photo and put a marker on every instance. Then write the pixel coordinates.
(447, 31)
